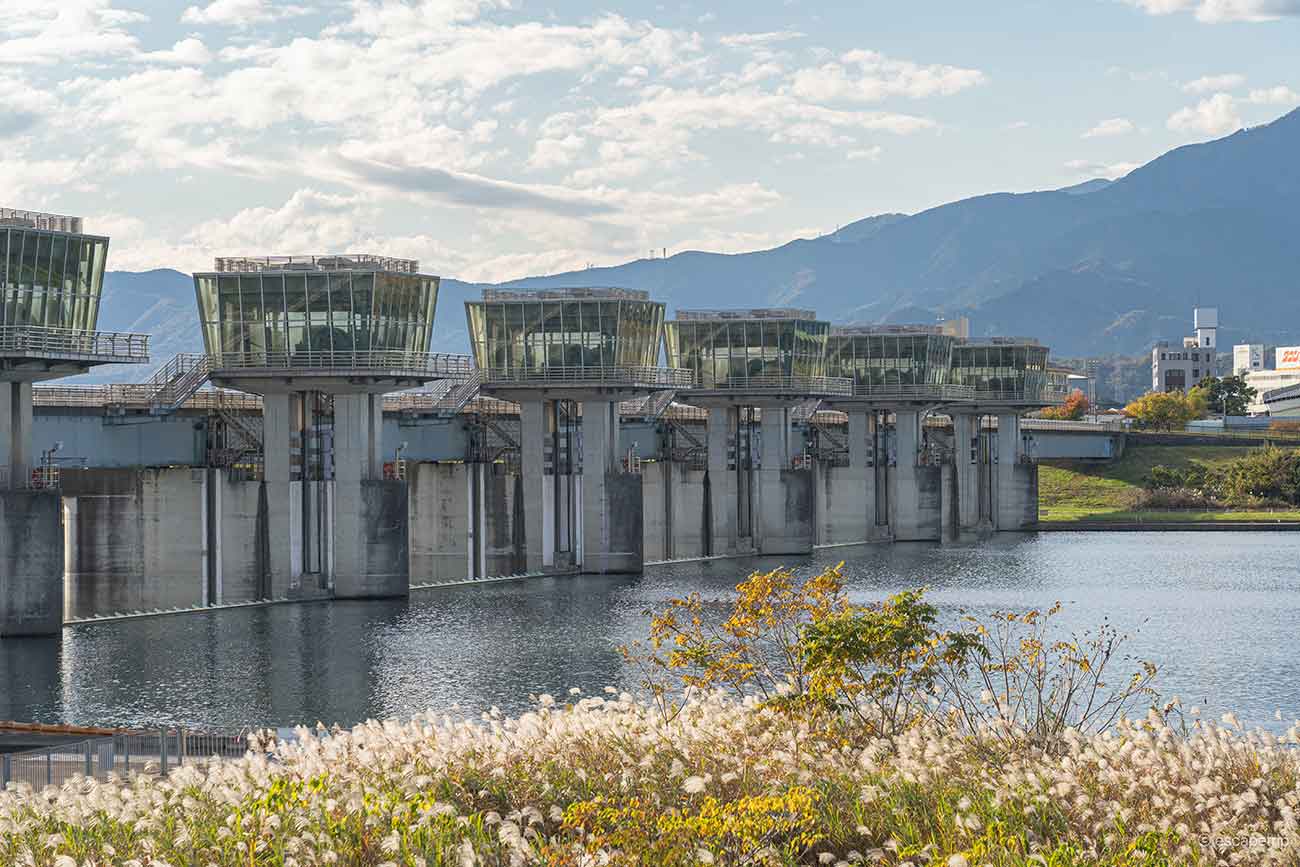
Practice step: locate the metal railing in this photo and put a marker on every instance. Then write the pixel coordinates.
(1108, 426)
(835, 386)
(335, 262)
(920, 392)
(40, 220)
(41, 341)
(432, 364)
(637, 377)
(121, 754)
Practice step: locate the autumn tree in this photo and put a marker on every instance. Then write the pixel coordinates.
(1166, 410)
(1076, 406)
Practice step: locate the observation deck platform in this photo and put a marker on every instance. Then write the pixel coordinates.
(31, 353)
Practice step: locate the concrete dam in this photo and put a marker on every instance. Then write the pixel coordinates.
(319, 449)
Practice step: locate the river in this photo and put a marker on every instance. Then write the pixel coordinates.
(1218, 612)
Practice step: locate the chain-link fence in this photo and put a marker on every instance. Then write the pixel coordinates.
(145, 752)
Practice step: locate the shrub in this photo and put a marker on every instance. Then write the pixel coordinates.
(802, 649)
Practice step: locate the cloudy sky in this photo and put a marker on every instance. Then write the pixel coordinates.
(500, 138)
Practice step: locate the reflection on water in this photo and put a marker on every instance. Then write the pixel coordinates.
(1217, 611)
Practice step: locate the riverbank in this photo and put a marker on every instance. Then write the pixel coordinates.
(1081, 494)
(609, 780)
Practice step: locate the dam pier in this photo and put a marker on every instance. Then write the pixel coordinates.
(318, 448)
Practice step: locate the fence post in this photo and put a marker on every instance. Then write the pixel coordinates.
(180, 746)
(89, 763)
(162, 751)
(6, 770)
(49, 767)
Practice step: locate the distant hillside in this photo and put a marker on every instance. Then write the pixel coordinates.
(1211, 223)
(1102, 267)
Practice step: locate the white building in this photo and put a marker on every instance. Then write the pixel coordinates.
(1178, 368)
(1247, 358)
(1285, 372)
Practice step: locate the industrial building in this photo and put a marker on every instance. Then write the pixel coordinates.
(318, 449)
(1178, 368)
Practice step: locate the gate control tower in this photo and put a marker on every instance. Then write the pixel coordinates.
(322, 339)
(52, 275)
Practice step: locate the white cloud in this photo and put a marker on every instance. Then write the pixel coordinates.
(872, 153)
(1017, 124)
(1280, 95)
(869, 76)
(64, 32)
(1217, 11)
(241, 13)
(1112, 127)
(188, 52)
(1215, 83)
(1100, 170)
(745, 40)
(1215, 115)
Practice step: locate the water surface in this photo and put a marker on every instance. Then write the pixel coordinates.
(1218, 611)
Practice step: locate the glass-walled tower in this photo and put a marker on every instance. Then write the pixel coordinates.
(895, 362)
(51, 279)
(322, 339)
(568, 357)
(316, 311)
(750, 350)
(558, 335)
(52, 276)
(1003, 370)
(750, 369)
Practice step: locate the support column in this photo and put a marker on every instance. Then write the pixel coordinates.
(283, 531)
(848, 493)
(905, 502)
(20, 442)
(612, 503)
(370, 513)
(6, 436)
(785, 494)
(965, 433)
(721, 481)
(532, 433)
(1016, 485)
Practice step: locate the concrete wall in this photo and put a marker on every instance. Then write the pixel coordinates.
(426, 439)
(135, 540)
(676, 521)
(1017, 496)
(622, 528)
(1049, 445)
(240, 559)
(446, 525)
(382, 565)
(845, 504)
(440, 522)
(917, 507)
(128, 441)
(31, 563)
(787, 512)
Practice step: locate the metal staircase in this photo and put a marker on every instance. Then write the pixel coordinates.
(176, 382)
(234, 437)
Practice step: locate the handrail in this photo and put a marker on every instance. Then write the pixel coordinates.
(659, 377)
(113, 346)
(922, 391)
(797, 383)
(438, 365)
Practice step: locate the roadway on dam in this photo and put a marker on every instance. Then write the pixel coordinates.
(1217, 611)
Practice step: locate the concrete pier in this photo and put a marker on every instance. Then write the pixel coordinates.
(785, 494)
(31, 563)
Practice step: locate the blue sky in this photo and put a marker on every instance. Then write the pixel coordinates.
(501, 138)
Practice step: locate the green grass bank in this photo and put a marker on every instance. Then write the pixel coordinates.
(1112, 491)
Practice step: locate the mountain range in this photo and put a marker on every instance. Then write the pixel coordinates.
(1100, 268)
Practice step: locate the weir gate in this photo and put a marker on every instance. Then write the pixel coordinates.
(318, 449)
